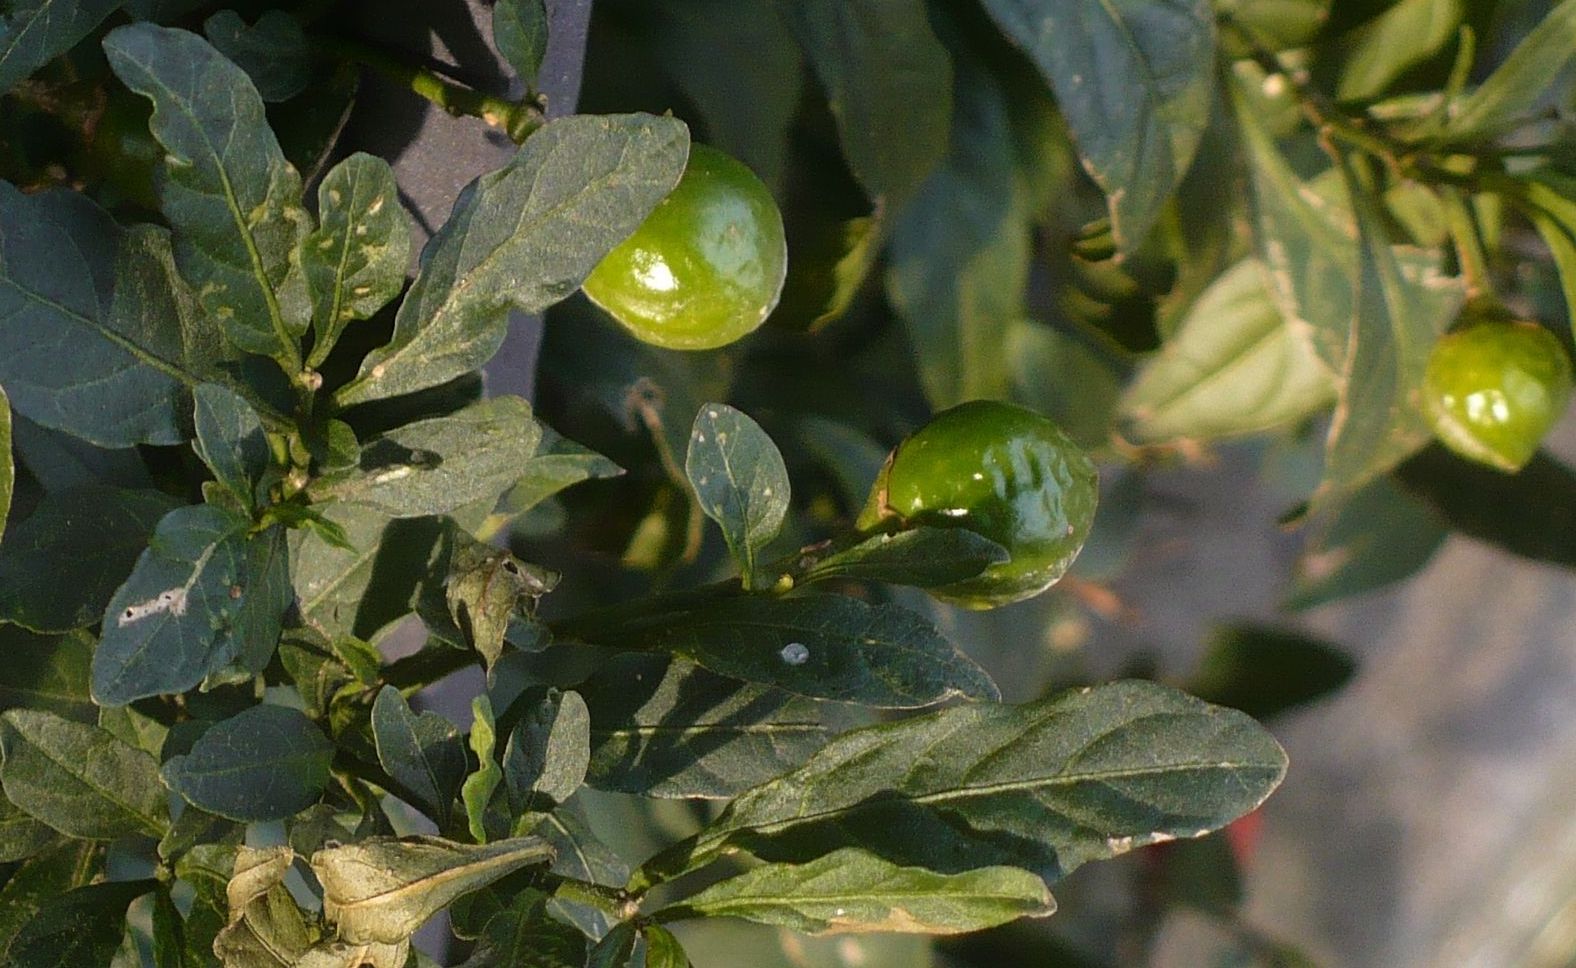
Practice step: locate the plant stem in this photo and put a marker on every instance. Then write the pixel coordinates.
(612, 900)
(1469, 244)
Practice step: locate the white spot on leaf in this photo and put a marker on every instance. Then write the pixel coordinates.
(171, 600)
(795, 653)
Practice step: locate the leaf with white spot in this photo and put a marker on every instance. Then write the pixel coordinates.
(739, 476)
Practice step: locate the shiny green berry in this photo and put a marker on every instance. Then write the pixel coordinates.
(1494, 388)
(706, 267)
(1003, 472)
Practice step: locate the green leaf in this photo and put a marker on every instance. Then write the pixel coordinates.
(362, 591)
(273, 51)
(233, 200)
(1548, 199)
(1378, 536)
(1134, 79)
(817, 646)
(922, 557)
(170, 623)
(266, 594)
(21, 836)
(616, 948)
(355, 262)
(477, 790)
(438, 465)
(853, 890)
(524, 934)
(60, 566)
(79, 779)
(663, 949)
(888, 82)
(1265, 671)
(1527, 513)
(100, 337)
(165, 934)
(264, 927)
(1233, 367)
(382, 889)
(35, 32)
(50, 673)
(520, 34)
(739, 476)
(523, 237)
(81, 927)
(666, 728)
(265, 763)
(206, 869)
(1046, 786)
(422, 752)
(558, 463)
(7, 462)
(1520, 84)
(584, 858)
(230, 440)
(50, 874)
(545, 760)
(1402, 37)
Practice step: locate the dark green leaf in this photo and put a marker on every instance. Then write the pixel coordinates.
(21, 836)
(81, 927)
(817, 646)
(583, 857)
(49, 673)
(266, 594)
(616, 947)
(361, 591)
(523, 934)
(266, 763)
(1046, 786)
(423, 752)
(477, 790)
(922, 557)
(233, 200)
(166, 934)
(382, 889)
(1233, 367)
(170, 623)
(1519, 85)
(889, 84)
(58, 460)
(666, 728)
(663, 949)
(230, 440)
(520, 34)
(855, 890)
(355, 262)
(78, 778)
(1531, 513)
(1405, 35)
(50, 874)
(1265, 671)
(523, 237)
(34, 32)
(100, 336)
(738, 474)
(545, 760)
(60, 566)
(1378, 536)
(206, 868)
(1134, 79)
(273, 52)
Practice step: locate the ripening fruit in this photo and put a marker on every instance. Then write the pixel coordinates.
(706, 267)
(1001, 471)
(1494, 388)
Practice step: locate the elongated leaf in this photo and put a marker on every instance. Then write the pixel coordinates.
(1531, 513)
(477, 790)
(666, 728)
(817, 646)
(168, 625)
(545, 760)
(99, 335)
(382, 889)
(435, 466)
(264, 927)
(423, 752)
(739, 476)
(1507, 96)
(922, 557)
(557, 464)
(1233, 367)
(230, 440)
(233, 200)
(60, 566)
(523, 238)
(1046, 786)
(265, 763)
(78, 778)
(206, 869)
(889, 84)
(49, 875)
(266, 594)
(1134, 80)
(355, 262)
(1405, 35)
(663, 949)
(48, 673)
(520, 34)
(1378, 536)
(853, 890)
(1265, 671)
(273, 52)
(615, 949)
(81, 927)
(34, 32)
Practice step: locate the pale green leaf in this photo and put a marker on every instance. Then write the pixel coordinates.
(34, 32)
(485, 589)
(739, 477)
(264, 927)
(78, 778)
(477, 790)
(264, 763)
(341, 954)
(1519, 85)
(1378, 536)
(1401, 37)
(663, 949)
(423, 752)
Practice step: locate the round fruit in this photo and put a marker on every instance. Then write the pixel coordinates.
(705, 267)
(1002, 472)
(1494, 388)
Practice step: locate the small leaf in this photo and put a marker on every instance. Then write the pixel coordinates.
(853, 890)
(738, 474)
(79, 779)
(485, 588)
(520, 34)
(60, 566)
(34, 32)
(265, 763)
(663, 949)
(265, 928)
(230, 440)
(1265, 671)
(477, 791)
(557, 464)
(523, 237)
(817, 646)
(423, 752)
(356, 261)
(663, 727)
(81, 927)
(47, 673)
(233, 200)
(1520, 84)
(922, 557)
(382, 889)
(273, 52)
(1046, 786)
(1134, 79)
(1531, 513)
(545, 760)
(616, 948)
(1401, 37)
